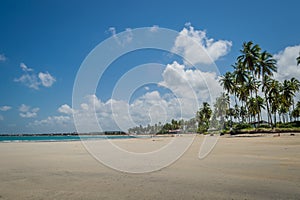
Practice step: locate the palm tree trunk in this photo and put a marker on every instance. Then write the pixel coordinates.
(275, 119)
(268, 111)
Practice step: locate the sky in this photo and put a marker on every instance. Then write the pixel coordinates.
(44, 44)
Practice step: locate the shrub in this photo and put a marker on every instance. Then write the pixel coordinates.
(243, 126)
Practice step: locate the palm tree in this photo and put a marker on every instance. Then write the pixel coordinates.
(240, 73)
(250, 55)
(273, 97)
(227, 82)
(240, 76)
(298, 59)
(203, 117)
(252, 85)
(259, 101)
(287, 95)
(296, 112)
(266, 65)
(252, 109)
(266, 87)
(220, 108)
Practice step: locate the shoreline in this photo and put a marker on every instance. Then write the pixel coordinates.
(146, 137)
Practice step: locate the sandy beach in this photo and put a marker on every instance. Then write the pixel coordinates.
(238, 168)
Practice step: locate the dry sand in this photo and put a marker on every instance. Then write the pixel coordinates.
(238, 168)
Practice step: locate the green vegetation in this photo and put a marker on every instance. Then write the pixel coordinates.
(253, 76)
(253, 88)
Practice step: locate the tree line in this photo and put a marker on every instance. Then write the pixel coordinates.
(248, 90)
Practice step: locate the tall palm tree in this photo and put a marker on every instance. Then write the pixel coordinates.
(295, 84)
(259, 105)
(203, 117)
(250, 55)
(296, 111)
(220, 108)
(287, 96)
(252, 109)
(266, 87)
(227, 82)
(252, 85)
(273, 97)
(255, 105)
(298, 59)
(240, 73)
(266, 65)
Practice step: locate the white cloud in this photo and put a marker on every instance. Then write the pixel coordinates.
(154, 28)
(24, 108)
(197, 48)
(28, 80)
(189, 89)
(5, 108)
(287, 64)
(46, 79)
(126, 36)
(2, 58)
(189, 82)
(66, 109)
(25, 68)
(27, 112)
(33, 80)
(52, 120)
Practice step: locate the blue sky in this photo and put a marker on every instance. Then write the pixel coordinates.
(52, 38)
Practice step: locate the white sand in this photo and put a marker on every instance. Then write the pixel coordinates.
(238, 168)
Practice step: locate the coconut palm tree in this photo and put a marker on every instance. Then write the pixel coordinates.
(252, 108)
(203, 116)
(274, 98)
(252, 85)
(220, 108)
(227, 82)
(287, 96)
(250, 55)
(260, 104)
(240, 73)
(298, 59)
(266, 65)
(296, 112)
(266, 87)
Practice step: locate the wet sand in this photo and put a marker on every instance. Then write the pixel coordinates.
(238, 168)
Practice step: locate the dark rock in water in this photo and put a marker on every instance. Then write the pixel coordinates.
(292, 134)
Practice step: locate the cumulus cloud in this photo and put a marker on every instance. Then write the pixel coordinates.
(197, 48)
(46, 79)
(28, 112)
(66, 109)
(287, 64)
(2, 58)
(186, 83)
(5, 108)
(33, 80)
(189, 88)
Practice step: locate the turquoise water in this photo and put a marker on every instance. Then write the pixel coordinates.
(49, 138)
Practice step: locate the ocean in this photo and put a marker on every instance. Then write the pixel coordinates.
(60, 138)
